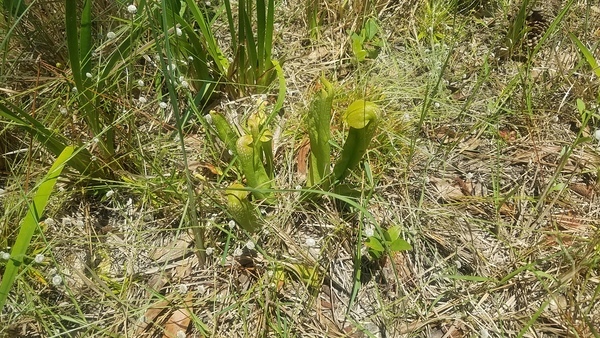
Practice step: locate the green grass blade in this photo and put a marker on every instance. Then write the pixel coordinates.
(209, 39)
(30, 223)
(261, 27)
(231, 24)
(116, 57)
(587, 54)
(14, 8)
(72, 41)
(85, 38)
(52, 141)
(517, 29)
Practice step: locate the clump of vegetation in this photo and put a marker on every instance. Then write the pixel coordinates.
(162, 156)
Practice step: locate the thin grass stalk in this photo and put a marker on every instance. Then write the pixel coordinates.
(209, 40)
(30, 223)
(19, 12)
(192, 204)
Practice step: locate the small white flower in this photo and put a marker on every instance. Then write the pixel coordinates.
(238, 252)
(201, 289)
(75, 90)
(88, 75)
(163, 105)
(298, 187)
(178, 31)
(57, 280)
(50, 221)
(180, 334)
(93, 158)
(142, 100)
(191, 58)
(369, 232)
(185, 84)
(110, 193)
(250, 245)
(172, 67)
(183, 288)
(111, 35)
(208, 118)
(63, 110)
(231, 224)
(4, 256)
(181, 78)
(140, 83)
(209, 251)
(132, 9)
(95, 140)
(597, 134)
(310, 242)
(39, 258)
(469, 176)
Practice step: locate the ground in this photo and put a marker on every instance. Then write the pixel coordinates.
(486, 159)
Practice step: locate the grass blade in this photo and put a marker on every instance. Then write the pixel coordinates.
(587, 54)
(52, 141)
(30, 223)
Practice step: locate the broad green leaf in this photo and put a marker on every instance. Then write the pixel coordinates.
(392, 233)
(374, 244)
(400, 245)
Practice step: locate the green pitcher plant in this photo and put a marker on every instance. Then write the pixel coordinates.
(319, 121)
(362, 118)
(240, 208)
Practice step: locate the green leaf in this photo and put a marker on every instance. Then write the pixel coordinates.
(587, 54)
(392, 233)
(371, 29)
(580, 105)
(400, 245)
(374, 244)
(30, 223)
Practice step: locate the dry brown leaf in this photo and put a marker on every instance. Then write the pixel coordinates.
(446, 190)
(582, 189)
(150, 316)
(179, 321)
(302, 158)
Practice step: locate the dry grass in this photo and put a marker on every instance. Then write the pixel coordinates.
(476, 160)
